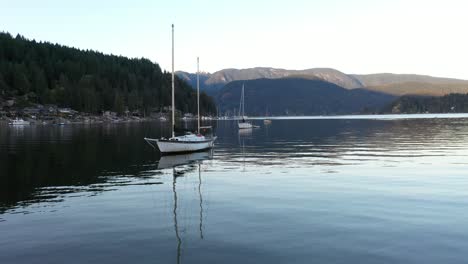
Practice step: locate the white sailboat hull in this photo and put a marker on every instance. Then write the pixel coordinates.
(245, 125)
(174, 146)
(19, 122)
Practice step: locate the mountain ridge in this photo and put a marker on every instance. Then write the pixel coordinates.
(390, 83)
(298, 96)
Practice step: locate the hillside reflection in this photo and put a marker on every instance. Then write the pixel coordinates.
(43, 163)
(71, 159)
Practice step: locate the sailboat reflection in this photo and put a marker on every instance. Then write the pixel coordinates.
(246, 132)
(242, 138)
(174, 162)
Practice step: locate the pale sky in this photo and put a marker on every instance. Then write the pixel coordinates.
(361, 36)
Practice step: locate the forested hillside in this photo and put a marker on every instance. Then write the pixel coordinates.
(452, 103)
(298, 96)
(88, 81)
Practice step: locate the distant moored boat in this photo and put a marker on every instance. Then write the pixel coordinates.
(18, 122)
(243, 124)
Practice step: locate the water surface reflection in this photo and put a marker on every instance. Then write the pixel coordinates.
(176, 162)
(361, 191)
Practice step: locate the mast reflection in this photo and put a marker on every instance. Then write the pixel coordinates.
(201, 200)
(178, 164)
(176, 225)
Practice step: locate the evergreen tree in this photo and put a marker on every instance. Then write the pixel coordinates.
(119, 105)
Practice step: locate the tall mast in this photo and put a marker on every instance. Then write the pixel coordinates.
(198, 93)
(243, 102)
(173, 101)
(241, 111)
(240, 105)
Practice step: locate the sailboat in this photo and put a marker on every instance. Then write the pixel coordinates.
(243, 124)
(189, 142)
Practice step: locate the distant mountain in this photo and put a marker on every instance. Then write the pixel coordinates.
(394, 84)
(390, 78)
(329, 75)
(191, 78)
(318, 91)
(211, 83)
(421, 89)
(298, 96)
(411, 84)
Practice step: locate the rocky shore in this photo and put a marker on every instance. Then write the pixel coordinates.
(51, 114)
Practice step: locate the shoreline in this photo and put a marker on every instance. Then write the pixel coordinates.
(80, 120)
(162, 119)
(363, 116)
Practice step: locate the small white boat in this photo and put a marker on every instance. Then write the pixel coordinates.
(267, 122)
(18, 122)
(162, 119)
(189, 142)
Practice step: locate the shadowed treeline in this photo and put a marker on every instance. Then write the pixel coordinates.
(88, 81)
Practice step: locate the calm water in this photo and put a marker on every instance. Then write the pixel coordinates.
(297, 191)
